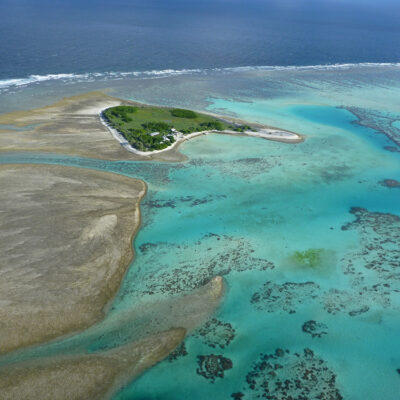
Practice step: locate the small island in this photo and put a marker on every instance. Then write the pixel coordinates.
(149, 129)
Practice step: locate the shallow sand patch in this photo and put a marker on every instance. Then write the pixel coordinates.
(65, 243)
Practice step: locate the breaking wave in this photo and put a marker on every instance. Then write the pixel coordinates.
(6, 84)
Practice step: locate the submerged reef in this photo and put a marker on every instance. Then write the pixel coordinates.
(372, 270)
(286, 375)
(243, 168)
(273, 297)
(392, 149)
(351, 302)
(174, 202)
(314, 328)
(178, 353)
(216, 333)
(390, 183)
(213, 366)
(381, 122)
(206, 260)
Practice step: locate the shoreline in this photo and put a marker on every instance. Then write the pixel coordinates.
(264, 132)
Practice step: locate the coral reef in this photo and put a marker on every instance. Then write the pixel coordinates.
(314, 328)
(286, 297)
(213, 366)
(216, 333)
(286, 375)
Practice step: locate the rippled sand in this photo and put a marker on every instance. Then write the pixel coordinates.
(65, 245)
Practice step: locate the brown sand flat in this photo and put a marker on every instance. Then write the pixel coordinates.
(71, 126)
(65, 243)
(100, 374)
(86, 376)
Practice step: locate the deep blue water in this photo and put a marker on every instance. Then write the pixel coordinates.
(70, 36)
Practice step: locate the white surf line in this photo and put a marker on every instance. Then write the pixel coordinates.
(114, 75)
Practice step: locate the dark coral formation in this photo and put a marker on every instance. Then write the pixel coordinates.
(390, 183)
(193, 201)
(153, 202)
(213, 366)
(216, 333)
(243, 168)
(373, 268)
(314, 328)
(284, 375)
(178, 353)
(274, 297)
(353, 302)
(197, 263)
(381, 122)
(159, 203)
(392, 149)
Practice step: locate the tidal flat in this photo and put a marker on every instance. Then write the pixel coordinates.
(66, 243)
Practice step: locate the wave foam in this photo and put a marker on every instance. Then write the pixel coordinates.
(5, 84)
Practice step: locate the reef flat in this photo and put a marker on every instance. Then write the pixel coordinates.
(66, 243)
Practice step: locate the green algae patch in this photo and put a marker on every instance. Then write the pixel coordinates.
(308, 258)
(316, 259)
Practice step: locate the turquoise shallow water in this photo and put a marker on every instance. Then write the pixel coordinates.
(243, 207)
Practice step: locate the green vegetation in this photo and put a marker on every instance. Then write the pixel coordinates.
(309, 258)
(122, 112)
(149, 128)
(180, 113)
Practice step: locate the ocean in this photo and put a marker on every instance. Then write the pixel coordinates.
(306, 236)
(97, 36)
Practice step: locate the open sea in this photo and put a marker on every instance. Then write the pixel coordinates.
(307, 236)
